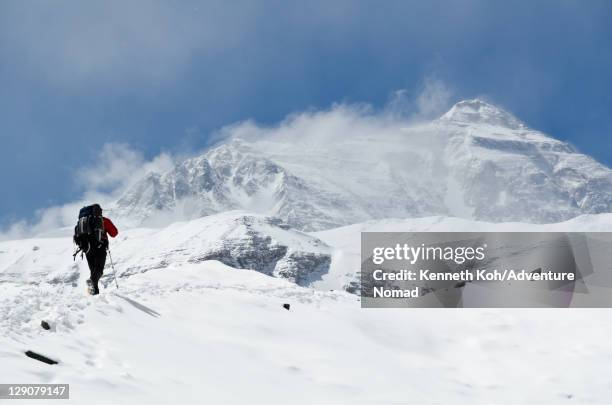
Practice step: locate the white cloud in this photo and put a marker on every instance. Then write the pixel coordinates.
(116, 167)
(51, 219)
(434, 98)
(400, 104)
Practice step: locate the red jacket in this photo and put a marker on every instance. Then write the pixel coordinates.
(110, 228)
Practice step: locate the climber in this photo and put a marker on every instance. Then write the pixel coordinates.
(91, 237)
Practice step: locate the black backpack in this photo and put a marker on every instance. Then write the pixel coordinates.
(89, 230)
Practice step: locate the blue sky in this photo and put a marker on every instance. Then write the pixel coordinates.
(162, 76)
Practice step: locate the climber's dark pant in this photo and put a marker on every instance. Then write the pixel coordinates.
(96, 259)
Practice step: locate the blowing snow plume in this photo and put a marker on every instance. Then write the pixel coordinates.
(324, 169)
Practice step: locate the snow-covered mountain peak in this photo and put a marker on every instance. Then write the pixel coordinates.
(477, 111)
(478, 161)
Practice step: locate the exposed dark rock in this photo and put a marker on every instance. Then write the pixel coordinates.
(40, 357)
(353, 287)
(258, 251)
(302, 267)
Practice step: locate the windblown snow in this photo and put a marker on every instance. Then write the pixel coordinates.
(199, 317)
(341, 167)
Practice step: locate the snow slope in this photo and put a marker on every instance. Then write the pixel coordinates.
(346, 241)
(198, 330)
(236, 238)
(327, 169)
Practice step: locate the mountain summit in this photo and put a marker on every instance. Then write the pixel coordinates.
(477, 111)
(333, 168)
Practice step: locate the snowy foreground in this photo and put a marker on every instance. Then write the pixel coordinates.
(194, 331)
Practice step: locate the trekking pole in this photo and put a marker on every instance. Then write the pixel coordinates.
(113, 267)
